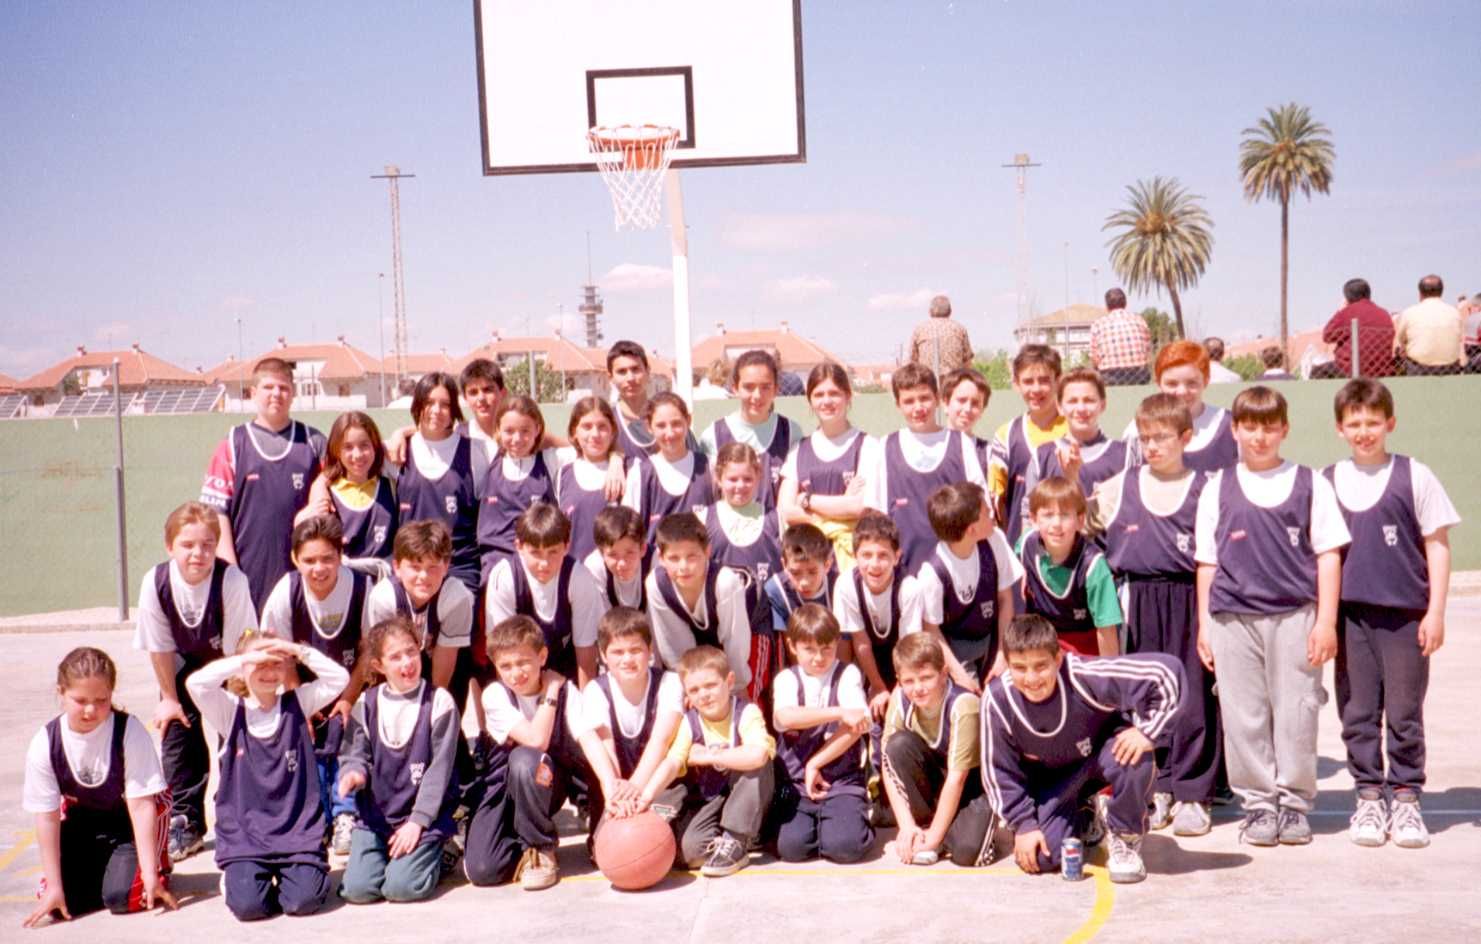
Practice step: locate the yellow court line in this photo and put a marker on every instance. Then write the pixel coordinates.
(1100, 912)
(24, 838)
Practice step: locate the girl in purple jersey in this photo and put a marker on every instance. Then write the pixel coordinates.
(585, 484)
(520, 475)
(354, 488)
(675, 479)
(437, 480)
(94, 784)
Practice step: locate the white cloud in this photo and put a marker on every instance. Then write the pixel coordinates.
(786, 232)
(571, 326)
(799, 289)
(918, 300)
(630, 277)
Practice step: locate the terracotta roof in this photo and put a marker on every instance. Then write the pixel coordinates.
(425, 363)
(137, 368)
(557, 352)
(8, 383)
(1299, 344)
(1077, 314)
(342, 361)
(793, 350)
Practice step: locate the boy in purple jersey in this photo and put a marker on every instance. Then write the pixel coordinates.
(1391, 618)
(1268, 540)
(628, 375)
(966, 587)
(692, 602)
(543, 582)
(1145, 517)
(1066, 578)
(1014, 455)
(259, 478)
(1057, 727)
(619, 564)
(1084, 455)
(915, 461)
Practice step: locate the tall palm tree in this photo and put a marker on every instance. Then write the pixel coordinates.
(1287, 151)
(1164, 240)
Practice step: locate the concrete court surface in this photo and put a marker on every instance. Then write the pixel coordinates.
(1198, 888)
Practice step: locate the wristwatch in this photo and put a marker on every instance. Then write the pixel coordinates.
(546, 700)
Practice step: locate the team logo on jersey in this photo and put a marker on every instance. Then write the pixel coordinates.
(847, 478)
(298, 481)
(347, 657)
(216, 643)
(1391, 535)
(763, 571)
(417, 769)
(451, 504)
(986, 608)
(1185, 543)
(331, 622)
(1295, 535)
(379, 534)
(290, 757)
(1083, 746)
(1081, 614)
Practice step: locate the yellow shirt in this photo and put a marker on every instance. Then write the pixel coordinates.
(358, 497)
(962, 750)
(717, 734)
(997, 466)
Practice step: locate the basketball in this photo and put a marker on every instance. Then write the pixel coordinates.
(636, 852)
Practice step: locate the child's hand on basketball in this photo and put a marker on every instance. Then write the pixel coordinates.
(623, 793)
(169, 710)
(1321, 645)
(404, 839)
(1129, 746)
(1026, 849)
(52, 900)
(1431, 633)
(813, 782)
(349, 782)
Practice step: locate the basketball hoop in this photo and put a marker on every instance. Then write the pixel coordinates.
(633, 159)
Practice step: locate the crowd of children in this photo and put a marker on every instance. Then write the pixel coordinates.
(770, 639)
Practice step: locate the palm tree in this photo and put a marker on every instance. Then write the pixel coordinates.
(1164, 240)
(1287, 151)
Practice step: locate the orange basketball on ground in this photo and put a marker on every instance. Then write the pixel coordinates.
(635, 852)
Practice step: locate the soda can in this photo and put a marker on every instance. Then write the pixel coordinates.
(1072, 859)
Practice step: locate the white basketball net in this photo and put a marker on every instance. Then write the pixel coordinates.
(633, 160)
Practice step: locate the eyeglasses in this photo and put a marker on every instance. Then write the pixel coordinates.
(1156, 439)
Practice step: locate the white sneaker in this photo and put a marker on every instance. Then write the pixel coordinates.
(1369, 823)
(1191, 819)
(1126, 859)
(1160, 816)
(339, 840)
(1405, 824)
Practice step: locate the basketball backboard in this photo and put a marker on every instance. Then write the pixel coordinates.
(726, 73)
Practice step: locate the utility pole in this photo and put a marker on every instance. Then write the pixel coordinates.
(380, 285)
(1021, 164)
(393, 177)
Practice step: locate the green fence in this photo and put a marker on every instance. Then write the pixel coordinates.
(56, 476)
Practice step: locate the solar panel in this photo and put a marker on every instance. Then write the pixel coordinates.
(177, 400)
(10, 405)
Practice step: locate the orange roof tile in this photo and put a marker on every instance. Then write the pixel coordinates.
(136, 368)
(1299, 343)
(8, 383)
(342, 361)
(793, 350)
(557, 352)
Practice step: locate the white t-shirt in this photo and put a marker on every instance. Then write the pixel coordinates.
(152, 626)
(454, 611)
(965, 574)
(483, 449)
(743, 528)
(785, 693)
(673, 477)
(504, 710)
(219, 706)
(758, 437)
(1360, 486)
(587, 600)
(327, 615)
(590, 476)
(923, 452)
(672, 636)
(829, 449)
(1205, 427)
(396, 714)
(629, 592)
(90, 755)
(1267, 490)
(851, 618)
(434, 457)
(630, 715)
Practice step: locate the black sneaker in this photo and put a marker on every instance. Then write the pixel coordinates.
(184, 840)
(724, 855)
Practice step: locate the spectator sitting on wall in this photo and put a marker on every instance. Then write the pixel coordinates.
(1375, 339)
(711, 386)
(1217, 372)
(1471, 335)
(1275, 365)
(1120, 343)
(940, 343)
(1428, 335)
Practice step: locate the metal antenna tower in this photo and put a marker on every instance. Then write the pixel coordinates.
(393, 177)
(591, 304)
(1021, 164)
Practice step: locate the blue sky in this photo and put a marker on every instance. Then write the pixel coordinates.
(170, 167)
